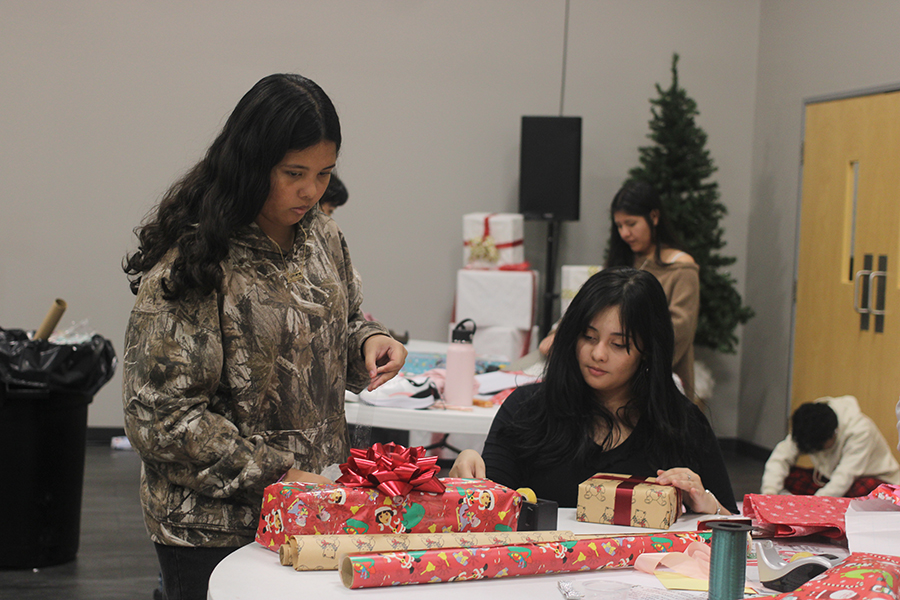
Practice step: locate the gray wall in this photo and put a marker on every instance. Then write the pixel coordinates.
(103, 105)
(807, 49)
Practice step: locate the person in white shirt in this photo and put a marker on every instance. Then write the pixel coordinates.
(849, 454)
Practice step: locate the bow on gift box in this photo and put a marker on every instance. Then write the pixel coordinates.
(392, 469)
(486, 249)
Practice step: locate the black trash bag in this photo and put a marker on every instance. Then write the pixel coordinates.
(40, 368)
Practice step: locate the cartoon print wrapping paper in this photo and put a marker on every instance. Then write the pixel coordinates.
(860, 576)
(483, 562)
(313, 509)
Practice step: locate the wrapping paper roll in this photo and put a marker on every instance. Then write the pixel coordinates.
(323, 552)
(484, 562)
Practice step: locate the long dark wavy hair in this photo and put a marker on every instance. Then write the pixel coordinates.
(638, 199)
(558, 421)
(227, 189)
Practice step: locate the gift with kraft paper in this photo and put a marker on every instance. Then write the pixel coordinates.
(616, 499)
(386, 489)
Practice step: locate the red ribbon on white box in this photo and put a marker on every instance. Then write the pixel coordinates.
(486, 248)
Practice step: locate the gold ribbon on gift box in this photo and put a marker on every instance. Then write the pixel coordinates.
(485, 249)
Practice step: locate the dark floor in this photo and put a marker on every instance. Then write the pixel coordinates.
(116, 559)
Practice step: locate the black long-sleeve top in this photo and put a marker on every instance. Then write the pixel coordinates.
(505, 463)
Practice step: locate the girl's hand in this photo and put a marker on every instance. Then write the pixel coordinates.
(384, 358)
(696, 497)
(547, 343)
(468, 465)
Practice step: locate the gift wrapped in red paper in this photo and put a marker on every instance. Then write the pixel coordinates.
(861, 575)
(625, 500)
(386, 489)
(887, 491)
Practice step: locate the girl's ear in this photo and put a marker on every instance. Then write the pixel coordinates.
(654, 216)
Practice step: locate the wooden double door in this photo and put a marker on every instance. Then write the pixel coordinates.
(847, 311)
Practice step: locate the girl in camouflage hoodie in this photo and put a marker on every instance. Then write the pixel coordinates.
(246, 331)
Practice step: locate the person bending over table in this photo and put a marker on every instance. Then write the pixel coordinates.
(608, 403)
(246, 330)
(850, 456)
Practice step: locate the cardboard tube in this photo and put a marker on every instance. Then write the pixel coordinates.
(323, 552)
(51, 320)
(286, 555)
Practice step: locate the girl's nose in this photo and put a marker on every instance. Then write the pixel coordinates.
(311, 190)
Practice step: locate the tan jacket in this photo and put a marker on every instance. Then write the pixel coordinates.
(681, 283)
(223, 394)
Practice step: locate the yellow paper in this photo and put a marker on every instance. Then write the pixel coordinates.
(676, 581)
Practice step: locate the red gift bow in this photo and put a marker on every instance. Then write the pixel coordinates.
(624, 493)
(392, 469)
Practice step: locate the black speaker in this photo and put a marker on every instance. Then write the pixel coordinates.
(550, 168)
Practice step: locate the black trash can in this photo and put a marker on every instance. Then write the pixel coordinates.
(45, 390)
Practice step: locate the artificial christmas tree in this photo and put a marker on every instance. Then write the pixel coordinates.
(678, 165)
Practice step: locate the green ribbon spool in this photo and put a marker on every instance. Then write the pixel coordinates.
(728, 560)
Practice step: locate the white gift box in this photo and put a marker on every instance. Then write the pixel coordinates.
(496, 298)
(492, 240)
(506, 342)
(573, 277)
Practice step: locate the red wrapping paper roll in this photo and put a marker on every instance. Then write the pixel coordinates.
(490, 562)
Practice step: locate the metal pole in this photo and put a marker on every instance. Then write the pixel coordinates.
(550, 277)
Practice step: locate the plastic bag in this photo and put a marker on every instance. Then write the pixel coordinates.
(38, 367)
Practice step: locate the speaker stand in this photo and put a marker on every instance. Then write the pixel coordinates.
(550, 296)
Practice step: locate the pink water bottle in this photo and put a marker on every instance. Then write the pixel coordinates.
(460, 380)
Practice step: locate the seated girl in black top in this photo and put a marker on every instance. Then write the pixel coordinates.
(607, 403)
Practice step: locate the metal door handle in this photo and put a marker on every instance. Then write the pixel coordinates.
(872, 276)
(859, 275)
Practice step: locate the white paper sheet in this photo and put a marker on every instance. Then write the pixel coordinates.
(873, 525)
(497, 381)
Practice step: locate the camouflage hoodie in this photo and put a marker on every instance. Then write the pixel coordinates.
(223, 394)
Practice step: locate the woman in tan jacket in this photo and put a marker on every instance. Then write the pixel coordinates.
(641, 237)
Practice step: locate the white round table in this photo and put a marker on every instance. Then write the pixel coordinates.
(255, 573)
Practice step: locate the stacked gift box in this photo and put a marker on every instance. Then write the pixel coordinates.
(493, 240)
(496, 289)
(572, 278)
